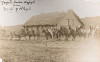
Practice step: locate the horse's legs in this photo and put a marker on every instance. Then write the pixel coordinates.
(66, 37)
(46, 37)
(51, 36)
(54, 36)
(25, 38)
(34, 36)
(93, 35)
(11, 38)
(38, 36)
(57, 36)
(89, 35)
(29, 37)
(19, 38)
(74, 36)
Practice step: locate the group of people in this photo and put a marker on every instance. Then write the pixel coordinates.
(54, 33)
(68, 32)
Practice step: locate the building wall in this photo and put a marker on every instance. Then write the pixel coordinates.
(71, 20)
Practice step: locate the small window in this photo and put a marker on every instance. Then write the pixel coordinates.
(67, 22)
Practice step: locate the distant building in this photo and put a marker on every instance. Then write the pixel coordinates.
(91, 21)
(15, 28)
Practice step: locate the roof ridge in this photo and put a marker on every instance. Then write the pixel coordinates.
(77, 17)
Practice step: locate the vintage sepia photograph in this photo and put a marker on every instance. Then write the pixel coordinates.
(49, 30)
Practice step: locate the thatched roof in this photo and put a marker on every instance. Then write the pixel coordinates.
(48, 19)
(45, 19)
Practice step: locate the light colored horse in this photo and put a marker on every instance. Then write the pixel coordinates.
(51, 32)
(92, 32)
(88, 33)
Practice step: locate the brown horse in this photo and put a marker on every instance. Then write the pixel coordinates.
(72, 33)
(63, 31)
(31, 33)
(47, 33)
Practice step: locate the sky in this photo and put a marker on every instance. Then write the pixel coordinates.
(83, 8)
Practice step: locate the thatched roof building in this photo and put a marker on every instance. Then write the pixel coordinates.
(53, 19)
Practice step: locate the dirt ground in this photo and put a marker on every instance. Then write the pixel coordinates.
(80, 50)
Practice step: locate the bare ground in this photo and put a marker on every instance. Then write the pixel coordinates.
(83, 50)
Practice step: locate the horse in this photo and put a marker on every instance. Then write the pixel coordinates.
(47, 33)
(83, 33)
(72, 33)
(79, 31)
(63, 31)
(51, 31)
(31, 33)
(97, 33)
(55, 33)
(88, 33)
(20, 34)
(92, 32)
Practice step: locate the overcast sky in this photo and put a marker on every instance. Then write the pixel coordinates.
(83, 8)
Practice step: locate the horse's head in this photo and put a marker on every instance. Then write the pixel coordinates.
(22, 30)
(32, 31)
(43, 31)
